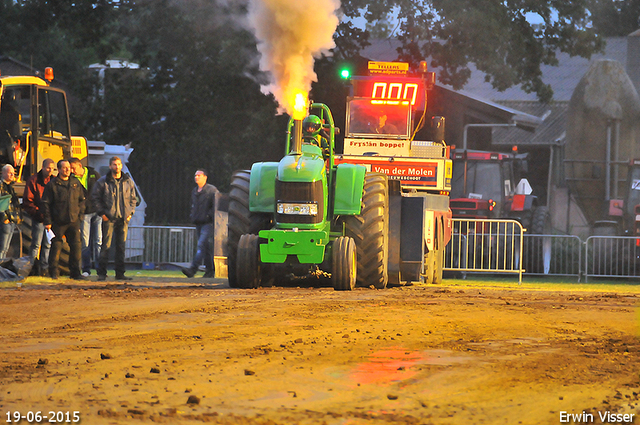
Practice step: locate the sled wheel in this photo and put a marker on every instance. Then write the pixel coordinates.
(438, 256)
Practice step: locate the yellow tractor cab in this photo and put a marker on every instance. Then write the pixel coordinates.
(34, 125)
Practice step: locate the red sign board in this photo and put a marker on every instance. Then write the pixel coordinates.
(408, 172)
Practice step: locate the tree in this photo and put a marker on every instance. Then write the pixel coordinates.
(198, 103)
(494, 35)
(613, 18)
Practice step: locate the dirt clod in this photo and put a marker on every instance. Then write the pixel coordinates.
(193, 399)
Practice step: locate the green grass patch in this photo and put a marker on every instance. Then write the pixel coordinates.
(559, 284)
(628, 286)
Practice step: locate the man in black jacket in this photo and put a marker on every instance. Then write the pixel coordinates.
(203, 209)
(91, 225)
(63, 201)
(114, 198)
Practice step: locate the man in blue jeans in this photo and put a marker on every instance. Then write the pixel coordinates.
(203, 210)
(91, 225)
(114, 198)
(32, 204)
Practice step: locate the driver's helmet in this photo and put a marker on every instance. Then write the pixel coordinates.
(311, 125)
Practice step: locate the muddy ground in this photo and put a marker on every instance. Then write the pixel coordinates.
(190, 351)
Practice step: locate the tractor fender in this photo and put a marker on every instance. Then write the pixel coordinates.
(262, 187)
(349, 185)
(523, 202)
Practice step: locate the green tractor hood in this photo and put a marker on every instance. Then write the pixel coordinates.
(301, 168)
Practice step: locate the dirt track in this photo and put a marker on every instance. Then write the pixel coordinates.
(412, 355)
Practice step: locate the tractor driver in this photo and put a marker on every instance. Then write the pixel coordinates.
(385, 127)
(314, 134)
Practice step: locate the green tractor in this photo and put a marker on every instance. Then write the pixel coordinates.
(307, 215)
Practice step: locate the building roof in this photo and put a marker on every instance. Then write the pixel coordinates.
(562, 78)
(552, 129)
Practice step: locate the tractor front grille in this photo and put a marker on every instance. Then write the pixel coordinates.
(300, 192)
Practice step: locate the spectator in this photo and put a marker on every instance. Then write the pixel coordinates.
(203, 209)
(63, 200)
(114, 199)
(91, 226)
(11, 216)
(32, 204)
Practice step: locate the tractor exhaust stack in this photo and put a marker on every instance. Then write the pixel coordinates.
(296, 147)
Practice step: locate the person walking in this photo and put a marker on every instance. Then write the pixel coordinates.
(91, 225)
(114, 199)
(10, 217)
(203, 209)
(63, 201)
(33, 206)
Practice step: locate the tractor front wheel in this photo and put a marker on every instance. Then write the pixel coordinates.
(344, 268)
(248, 276)
(241, 220)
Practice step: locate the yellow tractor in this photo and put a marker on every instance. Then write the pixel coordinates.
(34, 125)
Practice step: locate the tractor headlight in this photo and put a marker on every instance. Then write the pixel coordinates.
(297, 209)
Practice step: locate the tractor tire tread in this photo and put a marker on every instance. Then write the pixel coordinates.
(369, 230)
(241, 220)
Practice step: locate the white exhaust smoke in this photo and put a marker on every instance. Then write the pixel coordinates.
(291, 33)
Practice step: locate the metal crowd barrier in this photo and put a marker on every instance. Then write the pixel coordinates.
(485, 246)
(160, 244)
(559, 255)
(477, 246)
(612, 256)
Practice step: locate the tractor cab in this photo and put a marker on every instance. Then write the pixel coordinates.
(367, 119)
(34, 124)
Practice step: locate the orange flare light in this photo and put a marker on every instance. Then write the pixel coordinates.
(300, 107)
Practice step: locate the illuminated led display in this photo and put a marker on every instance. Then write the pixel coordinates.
(394, 93)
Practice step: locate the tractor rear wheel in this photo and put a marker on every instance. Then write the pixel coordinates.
(370, 231)
(248, 276)
(540, 221)
(241, 220)
(344, 264)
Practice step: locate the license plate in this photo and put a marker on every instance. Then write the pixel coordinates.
(298, 209)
